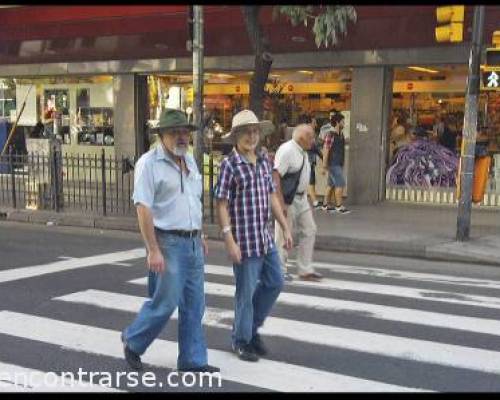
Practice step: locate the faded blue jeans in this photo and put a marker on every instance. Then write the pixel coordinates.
(181, 285)
(259, 281)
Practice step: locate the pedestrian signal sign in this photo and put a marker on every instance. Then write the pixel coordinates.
(491, 79)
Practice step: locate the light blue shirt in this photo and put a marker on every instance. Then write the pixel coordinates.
(157, 185)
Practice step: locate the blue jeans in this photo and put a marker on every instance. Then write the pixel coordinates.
(181, 285)
(259, 281)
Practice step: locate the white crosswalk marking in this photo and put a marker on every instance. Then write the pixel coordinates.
(162, 353)
(300, 326)
(368, 342)
(14, 274)
(401, 274)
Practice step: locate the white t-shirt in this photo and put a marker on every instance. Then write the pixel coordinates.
(288, 159)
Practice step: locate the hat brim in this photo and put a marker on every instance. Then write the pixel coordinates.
(267, 128)
(157, 129)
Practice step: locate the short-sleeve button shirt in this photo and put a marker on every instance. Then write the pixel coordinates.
(247, 188)
(174, 202)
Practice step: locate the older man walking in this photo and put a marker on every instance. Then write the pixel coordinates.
(243, 191)
(167, 194)
(291, 165)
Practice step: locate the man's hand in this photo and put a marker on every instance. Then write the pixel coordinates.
(287, 236)
(234, 251)
(156, 262)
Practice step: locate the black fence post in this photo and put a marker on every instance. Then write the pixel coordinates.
(103, 179)
(211, 184)
(13, 177)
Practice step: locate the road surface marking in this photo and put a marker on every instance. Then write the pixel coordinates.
(351, 339)
(267, 374)
(15, 274)
(372, 288)
(101, 298)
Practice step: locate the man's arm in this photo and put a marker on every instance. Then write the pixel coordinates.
(155, 258)
(225, 221)
(278, 213)
(279, 193)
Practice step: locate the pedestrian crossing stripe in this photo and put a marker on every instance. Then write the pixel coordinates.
(407, 275)
(355, 286)
(266, 374)
(325, 335)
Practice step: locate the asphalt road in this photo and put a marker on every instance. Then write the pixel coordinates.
(375, 324)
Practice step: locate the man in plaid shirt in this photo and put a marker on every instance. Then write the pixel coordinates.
(244, 189)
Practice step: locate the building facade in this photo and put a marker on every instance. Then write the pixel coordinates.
(103, 73)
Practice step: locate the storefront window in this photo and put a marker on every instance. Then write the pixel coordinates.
(76, 110)
(425, 131)
(289, 94)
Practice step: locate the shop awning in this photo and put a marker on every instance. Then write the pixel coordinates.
(38, 34)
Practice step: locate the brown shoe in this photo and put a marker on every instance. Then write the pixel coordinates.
(313, 276)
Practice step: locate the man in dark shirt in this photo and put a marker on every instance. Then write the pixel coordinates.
(333, 162)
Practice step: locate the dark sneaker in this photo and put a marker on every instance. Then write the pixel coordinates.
(133, 360)
(317, 205)
(324, 207)
(205, 368)
(245, 352)
(258, 346)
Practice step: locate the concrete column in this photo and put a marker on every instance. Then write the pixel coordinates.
(370, 111)
(124, 115)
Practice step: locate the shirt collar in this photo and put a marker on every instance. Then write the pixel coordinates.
(239, 159)
(298, 146)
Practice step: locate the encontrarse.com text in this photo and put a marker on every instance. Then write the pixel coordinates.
(113, 379)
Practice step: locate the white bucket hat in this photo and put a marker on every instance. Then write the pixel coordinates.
(247, 118)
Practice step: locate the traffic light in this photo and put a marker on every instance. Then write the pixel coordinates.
(454, 17)
(496, 39)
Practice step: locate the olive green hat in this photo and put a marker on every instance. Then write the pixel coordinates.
(172, 118)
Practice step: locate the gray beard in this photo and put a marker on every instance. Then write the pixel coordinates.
(180, 152)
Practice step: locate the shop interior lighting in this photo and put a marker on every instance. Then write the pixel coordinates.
(306, 72)
(422, 69)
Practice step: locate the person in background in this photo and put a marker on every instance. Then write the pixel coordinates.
(447, 137)
(333, 163)
(314, 153)
(292, 158)
(399, 135)
(37, 131)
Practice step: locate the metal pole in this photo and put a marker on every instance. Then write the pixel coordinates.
(470, 127)
(198, 73)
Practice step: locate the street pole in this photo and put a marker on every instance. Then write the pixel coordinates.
(470, 127)
(198, 87)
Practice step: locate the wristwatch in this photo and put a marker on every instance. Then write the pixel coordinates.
(226, 229)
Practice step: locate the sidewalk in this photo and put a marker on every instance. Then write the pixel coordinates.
(389, 228)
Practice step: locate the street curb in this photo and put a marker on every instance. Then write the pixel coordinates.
(323, 242)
